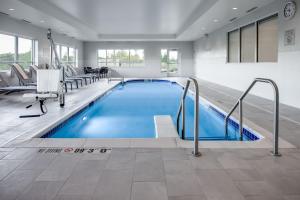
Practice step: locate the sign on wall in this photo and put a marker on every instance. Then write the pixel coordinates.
(289, 37)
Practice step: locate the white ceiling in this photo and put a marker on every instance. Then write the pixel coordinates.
(130, 16)
(96, 20)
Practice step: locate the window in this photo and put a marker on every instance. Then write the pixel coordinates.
(164, 60)
(76, 58)
(173, 60)
(58, 51)
(71, 58)
(136, 57)
(268, 40)
(14, 49)
(101, 57)
(248, 43)
(64, 54)
(36, 53)
(169, 60)
(256, 42)
(110, 58)
(25, 47)
(7, 51)
(67, 55)
(121, 57)
(233, 46)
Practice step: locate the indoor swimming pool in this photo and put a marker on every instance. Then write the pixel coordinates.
(128, 111)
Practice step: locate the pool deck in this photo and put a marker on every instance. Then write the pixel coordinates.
(147, 174)
(135, 169)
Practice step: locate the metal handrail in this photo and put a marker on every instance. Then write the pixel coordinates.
(196, 114)
(182, 109)
(276, 113)
(122, 79)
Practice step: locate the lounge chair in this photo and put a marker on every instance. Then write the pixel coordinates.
(69, 77)
(22, 75)
(82, 71)
(5, 87)
(84, 76)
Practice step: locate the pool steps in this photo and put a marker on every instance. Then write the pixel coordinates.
(164, 127)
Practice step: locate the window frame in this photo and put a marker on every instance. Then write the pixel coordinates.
(34, 50)
(255, 42)
(129, 64)
(256, 56)
(257, 37)
(239, 45)
(136, 64)
(74, 63)
(168, 60)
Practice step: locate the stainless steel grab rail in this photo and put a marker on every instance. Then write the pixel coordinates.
(122, 79)
(196, 114)
(239, 103)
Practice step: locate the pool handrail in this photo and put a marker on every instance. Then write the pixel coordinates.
(182, 109)
(239, 103)
(196, 152)
(122, 79)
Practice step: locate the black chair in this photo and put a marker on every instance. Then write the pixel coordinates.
(88, 70)
(103, 72)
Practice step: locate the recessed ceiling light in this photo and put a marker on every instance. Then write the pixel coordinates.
(234, 8)
(11, 9)
(216, 20)
(203, 28)
(42, 21)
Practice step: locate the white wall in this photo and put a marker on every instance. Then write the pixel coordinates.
(17, 27)
(152, 57)
(210, 59)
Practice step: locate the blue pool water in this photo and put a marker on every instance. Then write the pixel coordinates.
(128, 112)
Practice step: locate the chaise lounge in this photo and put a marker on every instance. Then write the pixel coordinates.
(5, 87)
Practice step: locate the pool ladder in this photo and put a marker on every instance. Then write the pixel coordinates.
(196, 114)
(239, 104)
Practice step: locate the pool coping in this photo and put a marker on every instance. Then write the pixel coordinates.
(34, 140)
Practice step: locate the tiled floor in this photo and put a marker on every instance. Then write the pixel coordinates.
(146, 174)
(44, 169)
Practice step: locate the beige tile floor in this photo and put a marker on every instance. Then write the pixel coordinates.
(145, 169)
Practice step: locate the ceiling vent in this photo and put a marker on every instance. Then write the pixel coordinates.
(251, 9)
(231, 20)
(2, 13)
(26, 21)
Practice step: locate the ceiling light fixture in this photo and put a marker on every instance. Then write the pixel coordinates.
(235, 8)
(216, 20)
(42, 21)
(11, 9)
